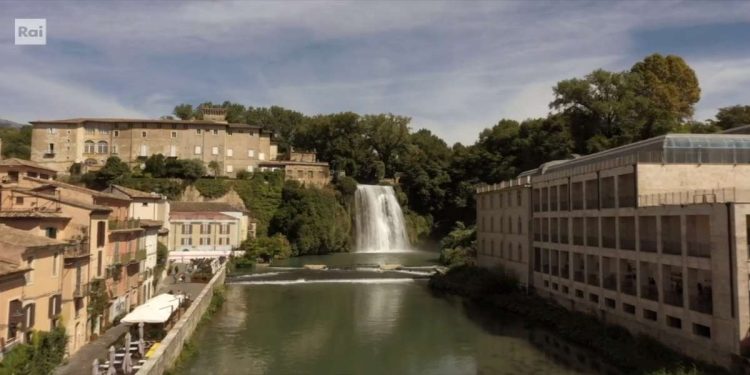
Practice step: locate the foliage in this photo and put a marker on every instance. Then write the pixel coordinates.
(170, 187)
(40, 357)
(183, 111)
(312, 219)
(215, 168)
(113, 171)
(76, 169)
(162, 255)
(267, 248)
(244, 175)
(459, 247)
(730, 117)
(418, 227)
(212, 188)
(495, 291)
(16, 142)
(261, 195)
(156, 165)
(98, 298)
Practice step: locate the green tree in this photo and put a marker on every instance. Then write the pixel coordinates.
(156, 165)
(16, 142)
(267, 248)
(388, 135)
(730, 117)
(114, 170)
(284, 123)
(215, 168)
(459, 246)
(191, 169)
(183, 111)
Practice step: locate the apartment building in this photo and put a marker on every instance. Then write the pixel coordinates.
(302, 167)
(31, 281)
(206, 229)
(58, 144)
(652, 236)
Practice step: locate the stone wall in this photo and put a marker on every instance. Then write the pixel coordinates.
(170, 348)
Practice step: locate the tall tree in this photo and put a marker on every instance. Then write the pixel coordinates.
(183, 111)
(730, 117)
(387, 134)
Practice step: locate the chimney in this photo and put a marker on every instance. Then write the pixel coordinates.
(215, 114)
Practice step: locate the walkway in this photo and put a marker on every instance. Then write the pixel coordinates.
(80, 363)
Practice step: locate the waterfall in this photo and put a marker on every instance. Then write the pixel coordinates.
(379, 221)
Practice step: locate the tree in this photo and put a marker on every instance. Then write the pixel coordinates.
(669, 84)
(192, 169)
(113, 170)
(730, 117)
(215, 168)
(16, 142)
(284, 123)
(267, 248)
(183, 111)
(156, 165)
(387, 135)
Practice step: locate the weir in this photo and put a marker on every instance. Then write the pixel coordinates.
(379, 221)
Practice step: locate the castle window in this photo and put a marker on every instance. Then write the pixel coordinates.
(102, 147)
(89, 147)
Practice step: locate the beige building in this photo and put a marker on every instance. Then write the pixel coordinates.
(652, 236)
(302, 167)
(31, 282)
(58, 144)
(206, 229)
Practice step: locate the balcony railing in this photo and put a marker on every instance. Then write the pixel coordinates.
(126, 257)
(628, 287)
(577, 239)
(124, 224)
(673, 298)
(545, 268)
(555, 271)
(648, 246)
(699, 249)
(610, 282)
(609, 242)
(77, 250)
(650, 292)
(608, 202)
(593, 279)
(702, 303)
(578, 276)
(592, 241)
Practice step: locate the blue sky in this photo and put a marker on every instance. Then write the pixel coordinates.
(453, 67)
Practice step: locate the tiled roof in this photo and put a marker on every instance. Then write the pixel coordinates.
(199, 216)
(176, 206)
(19, 237)
(7, 268)
(82, 189)
(26, 163)
(133, 193)
(74, 121)
(71, 202)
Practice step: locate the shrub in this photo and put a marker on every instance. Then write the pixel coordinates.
(212, 188)
(459, 246)
(267, 248)
(40, 357)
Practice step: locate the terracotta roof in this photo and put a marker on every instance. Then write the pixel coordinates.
(176, 206)
(199, 216)
(82, 120)
(27, 163)
(8, 268)
(133, 193)
(82, 189)
(32, 214)
(71, 202)
(13, 236)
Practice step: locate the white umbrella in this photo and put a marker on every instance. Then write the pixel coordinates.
(95, 367)
(111, 368)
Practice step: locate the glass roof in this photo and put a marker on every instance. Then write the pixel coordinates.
(707, 141)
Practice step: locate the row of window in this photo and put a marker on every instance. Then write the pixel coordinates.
(205, 228)
(187, 241)
(102, 147)
(503, 251)
(630, 309)
(105, 131)
(594, 194)
(503, 224)
(495, 200)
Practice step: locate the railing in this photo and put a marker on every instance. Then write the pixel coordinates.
(564, 205)
(723, 195)
(521, 181)
(648, 246)
(702, 303)
(577, 239)
(650, 292)
(608, 202)
(578, 276)
(671, 247)
(555, 271)
(81, 290)
(593, 279)
(699, 249)
(577, 204)
(123, 257)
(124, 224)
(545, 268)
(628, 287)
(564, 238)
(673, 298)
(610, 282)
(77, 250)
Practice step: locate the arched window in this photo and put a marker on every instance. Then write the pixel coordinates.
(102, 147)
(89, 147)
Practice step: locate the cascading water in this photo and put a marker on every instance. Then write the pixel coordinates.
(379, 221)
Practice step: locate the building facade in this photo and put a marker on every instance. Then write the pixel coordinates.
(58, 144)
(206, 229)
(652, 236)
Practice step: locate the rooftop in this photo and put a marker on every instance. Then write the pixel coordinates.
(94, 193)
(84, 120)
(71, 202)
(19, 241)
(176, 206)
(133, 193)
(12, 162)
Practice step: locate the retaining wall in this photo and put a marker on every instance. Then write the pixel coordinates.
(170, 348)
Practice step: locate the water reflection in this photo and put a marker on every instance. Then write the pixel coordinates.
(376, 309)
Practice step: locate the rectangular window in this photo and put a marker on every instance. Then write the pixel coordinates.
(50, 232)
(610, 303)
(674, 322)
(249, 168)
(19, 200)
(143, 134)
(197, 131)
(214, 150)
(216, 131)
(628, 308)
(197, 150)
(90, 131)
(117, 133)
(261, 156)
(52, 130)
(114, 149)
(701, 330)
(99, 261)
(51, 148)
(174, 134)
(230, 152)
(186, 241)
(173, 151)
(251, 153)
(144, 150)
(230, 169)
(650, 315)
(30, 274)
(55, 261)
(104, 131)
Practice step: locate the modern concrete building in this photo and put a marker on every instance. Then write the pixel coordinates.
(652, 236)
(206, 229)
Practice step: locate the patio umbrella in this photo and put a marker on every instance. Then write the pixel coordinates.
(95, 367)
(111, 368)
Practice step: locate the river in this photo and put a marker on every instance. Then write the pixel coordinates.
(393, 326)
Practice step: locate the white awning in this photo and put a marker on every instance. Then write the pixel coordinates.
(155, 310)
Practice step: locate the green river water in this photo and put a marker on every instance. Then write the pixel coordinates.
(362, 327)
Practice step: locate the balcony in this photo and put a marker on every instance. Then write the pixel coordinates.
(699, 249)
(702, 303)
(578, 276)
(673, 298)
(76, 250)
(592, 204)
(81, 290)
(121, 225)
(627, 201)
(610, 282)
(650, 292)
(545, 268)
(128, 257)
(627, 244)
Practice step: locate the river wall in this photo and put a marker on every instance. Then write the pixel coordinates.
(170, 348)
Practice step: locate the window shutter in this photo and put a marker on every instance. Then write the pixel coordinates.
(51, 307)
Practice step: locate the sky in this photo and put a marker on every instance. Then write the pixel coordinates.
(453, 67)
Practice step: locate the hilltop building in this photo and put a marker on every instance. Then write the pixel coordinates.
(653, 236)
(58, 144)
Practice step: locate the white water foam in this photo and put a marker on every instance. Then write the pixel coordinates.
(379, 220)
